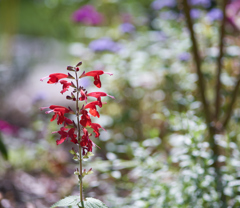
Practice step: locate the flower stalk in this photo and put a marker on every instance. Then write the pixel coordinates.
(79, 139)
(71, 130)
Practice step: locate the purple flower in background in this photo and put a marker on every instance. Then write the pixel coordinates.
(168, 15)
(195, 13)
(87, 15)
(85, 83)
(159, 4)
(39, 97)
(215, 14)
(185, 56)
(104, 44)
(204, 3)
(127, 27)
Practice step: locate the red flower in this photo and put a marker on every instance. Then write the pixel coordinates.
(53, 78)
(85, 141)
(96, 127)
(83, 96)
(65, 135)
(72, 135)
(58, 111)
(96, 74)
(85, 119)
(93, 110)
(67, 121)
(65, 86)
(98, 95)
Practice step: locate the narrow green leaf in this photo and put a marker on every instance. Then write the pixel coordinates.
(93, 203)
(68, 201)
(3, 149)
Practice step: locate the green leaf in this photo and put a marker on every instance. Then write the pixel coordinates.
(3, 149)
(68, 201)
(93, 203)
(75, 200)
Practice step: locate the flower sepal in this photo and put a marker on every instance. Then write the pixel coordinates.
(72, 151)
(88, 155)
(87, 172)
(73, 85)
(70, 76)
(76, 158)
(76, 172)
(82, 75)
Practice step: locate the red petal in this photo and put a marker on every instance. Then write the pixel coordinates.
(53, 78)
(60, 141)
(97, 81)
(94, 73)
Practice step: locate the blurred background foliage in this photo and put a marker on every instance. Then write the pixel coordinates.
(156, 151)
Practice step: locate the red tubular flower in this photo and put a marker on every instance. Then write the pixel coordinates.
(65, 135)
(85, 119)
(96, 74)
(53, 78)
(72, 135)
(58, 111)
(93, 110)
(67, 121)
(85, 141)
(98, 95)
(96, 127)
(65, 86)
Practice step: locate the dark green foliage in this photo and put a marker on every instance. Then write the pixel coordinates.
(3, 148)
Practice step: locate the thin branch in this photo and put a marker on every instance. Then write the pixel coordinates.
(230, 108)
(79, 139)
(197, 59)
(220, 60)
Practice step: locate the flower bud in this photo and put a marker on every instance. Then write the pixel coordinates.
(68, 97)
(70, 68)
(79, 63)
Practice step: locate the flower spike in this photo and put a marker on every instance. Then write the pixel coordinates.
(75, 130)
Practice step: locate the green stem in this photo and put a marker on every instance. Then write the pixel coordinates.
(79, 139)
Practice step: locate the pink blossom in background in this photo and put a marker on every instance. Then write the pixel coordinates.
(87, 15)
(7, 128)
(233, 15)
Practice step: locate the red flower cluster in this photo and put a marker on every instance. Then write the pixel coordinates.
(77, 133)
